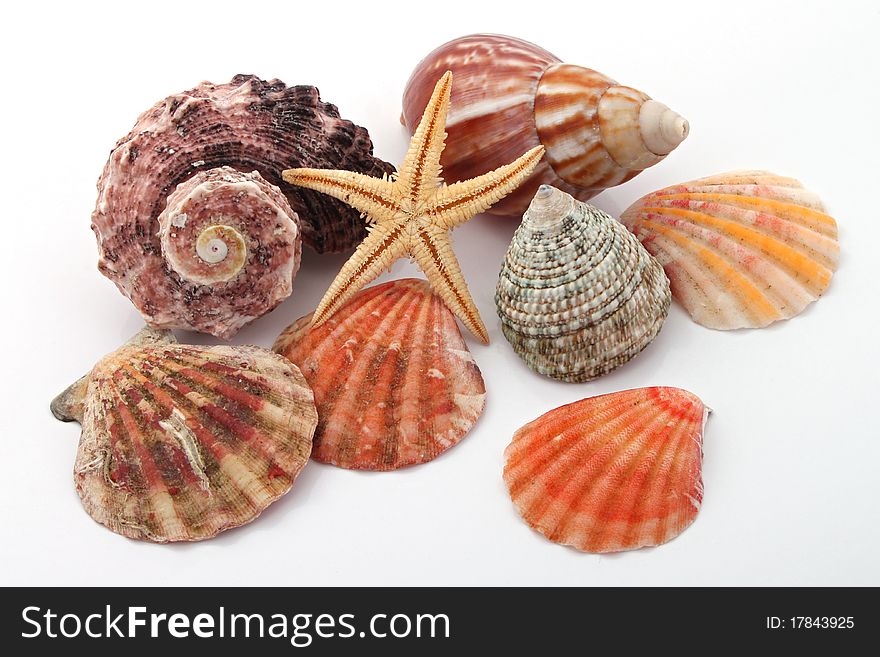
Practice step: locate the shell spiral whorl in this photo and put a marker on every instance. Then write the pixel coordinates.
(578, 296)
(213, 156)
(205, 229)
(511, 95)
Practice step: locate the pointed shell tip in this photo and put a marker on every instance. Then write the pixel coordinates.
(548, 207)
(662, 129)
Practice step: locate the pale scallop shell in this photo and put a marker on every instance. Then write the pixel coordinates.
(741, 249)
(394, 382)
(182, 442)
(578, 296)
(610, 473)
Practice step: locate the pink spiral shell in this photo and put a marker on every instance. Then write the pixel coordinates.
(218, 151)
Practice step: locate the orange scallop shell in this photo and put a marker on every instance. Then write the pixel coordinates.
(394, 382)
(610, 473)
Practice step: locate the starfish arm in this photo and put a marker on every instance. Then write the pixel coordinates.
(432, 251)
(381, 248)
(454, 204)
(419, 174)
(374, 197)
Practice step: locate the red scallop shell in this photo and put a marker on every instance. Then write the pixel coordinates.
(610, 473)
(394, 382)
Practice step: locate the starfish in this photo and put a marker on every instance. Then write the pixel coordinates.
(412, 212)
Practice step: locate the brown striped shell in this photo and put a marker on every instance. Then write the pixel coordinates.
(510, 95)
(578, 296)
(742, 249)
(394, 382)
(610, 473)
(193, 221)
(182, 442)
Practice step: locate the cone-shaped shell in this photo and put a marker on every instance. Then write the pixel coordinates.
(510, 95)
(182, 442)
(741, 249)
(394, 382)
(611, 473)
(578, 296)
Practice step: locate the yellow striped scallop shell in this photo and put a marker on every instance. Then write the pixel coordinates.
(182, 442)
(741, 249)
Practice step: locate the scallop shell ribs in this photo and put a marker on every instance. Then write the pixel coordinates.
(578, 296)
(611, 473)
(394, 382)
(741, 249)
(182, 442)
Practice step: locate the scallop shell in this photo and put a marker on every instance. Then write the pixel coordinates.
(578, 296)
(176, 156)
(510, 95)
(741, 249)
(182, 442)
(394, 382)
(610, 473)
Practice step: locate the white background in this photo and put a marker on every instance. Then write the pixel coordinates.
(791, 451)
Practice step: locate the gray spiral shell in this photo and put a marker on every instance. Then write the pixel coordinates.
(578, 295)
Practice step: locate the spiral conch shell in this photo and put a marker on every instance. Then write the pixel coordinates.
(578, 296)
(193, 221)
(742, 249)
(394, 382)
(510, 95)
(182, 442)
(610, 473)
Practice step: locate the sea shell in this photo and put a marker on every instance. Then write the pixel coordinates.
(510, 95)
(152, 184)
(230, 248)
(613, 472)
(578, 296)
(182, 442)
(741, 249)
(394, 382)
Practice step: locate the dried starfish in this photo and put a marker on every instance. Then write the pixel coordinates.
(412, 213)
